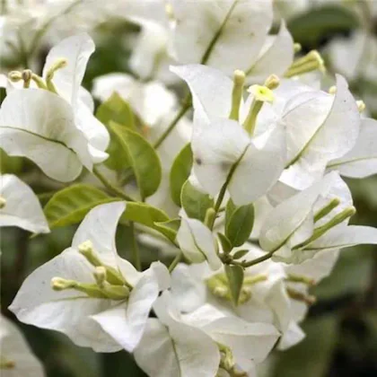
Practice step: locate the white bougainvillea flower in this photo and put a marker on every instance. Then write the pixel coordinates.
(88, 292)
(272, 292)
(151, 101)
(244, 340)
(320, 128)
(16, 357)
(361, 160)
(227, 35)
(198, 243)
(275, 57)
(169, 347)
(223, 149)
(66, 135)
(19, 206)
(313, 220)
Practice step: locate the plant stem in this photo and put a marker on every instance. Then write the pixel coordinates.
(176, 260)
(135, 248)
(115, 190)
(256, 260)
(185, 107)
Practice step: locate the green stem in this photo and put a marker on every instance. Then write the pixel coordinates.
(135, 248)
(256, 260)
(115, 190)
(220, 198)
(185, 107)
(175, 262)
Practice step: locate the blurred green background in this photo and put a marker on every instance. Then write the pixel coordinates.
(342, 326)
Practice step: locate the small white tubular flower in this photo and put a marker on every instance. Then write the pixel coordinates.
(88, 292)
(197, 243)
(223, 146)
(19, 206)
(361, 161)
(312, 221)
(275, 57)
(16, 357)
(227, 35)
(66, 128)
(320, 128)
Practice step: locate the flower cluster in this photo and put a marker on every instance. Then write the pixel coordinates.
(242, 183)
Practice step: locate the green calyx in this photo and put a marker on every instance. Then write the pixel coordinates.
(109, 282)
(310, 62)
(106, 290)
(6, 364)
(3, 202)
(218, 285)
(321, 230)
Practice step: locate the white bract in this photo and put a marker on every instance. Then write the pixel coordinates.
(19, 206)
(224, 151)
(197, 243)
(57, 131)
(88, 292)
(16, 357)
(207, 331)
(229, 35)
(313, 220)
(320, 127)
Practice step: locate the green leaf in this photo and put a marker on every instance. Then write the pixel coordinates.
(70, 205)
(151, 217)
(144, 214)
(115, 109)
(179, 173)
(240, 253)
(312, 27)
(240, 225)
(142, 157)
(169, 228)
(229, 210)
(225, 243)
(235, 276)
(195, 202)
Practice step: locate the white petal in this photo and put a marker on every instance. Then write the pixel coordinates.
(95, 132)
(99, 226)
(287, 217)
(247, 340)
(104, 86)
(77, 50)
(68, 311)
(291, 337)
(46, 137)
(198, 243)
(318, 267)
(150, 46)
(22, 207)
(275, 59)
(235, 29)
(126, 323)
(211, 90)
(15, 349)
(215, 151)
(361, 161)
(177, 351)
(188, 291)
(259, 169)
(341, 237)
(334, 137)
